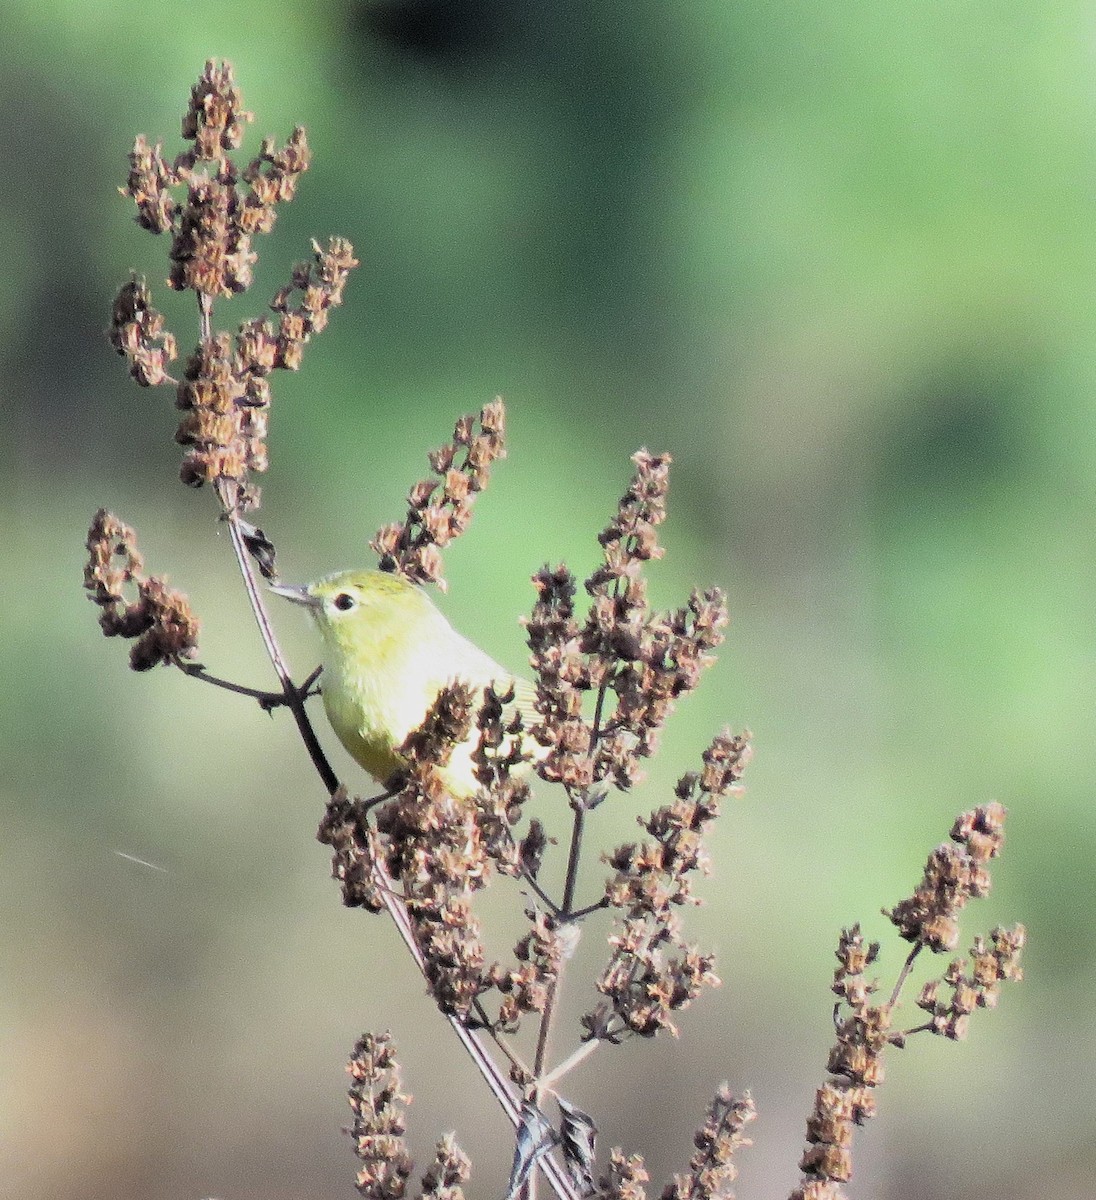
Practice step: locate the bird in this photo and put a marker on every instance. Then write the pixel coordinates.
(388, 652)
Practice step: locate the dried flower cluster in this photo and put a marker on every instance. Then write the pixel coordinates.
(980, 988)
(224, 434)
(712, 1169)
(345, 830)
(321, 282)
(501, 756)
(434, 519)
(434, 849)
(137, 332)
(653, 972)
(211, 231)
(563, 678)
(447, 1172)
(856, 1064)
(159, 617)
(440, 852)
(526, 988)
(224, 394)
(379, 1109)
(953, 875)
(624, 1178)
(623, 652)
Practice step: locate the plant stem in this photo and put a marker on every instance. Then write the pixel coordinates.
(578, 913)
(294, 696)
(267, 700)
(903, 975)
(488, 1068)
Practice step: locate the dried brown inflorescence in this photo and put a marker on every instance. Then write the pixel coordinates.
(856, 1063)
(433, 848)
(953, 875)
(929, 918)
(137, 332)
(136, 605)
(980, 987)
(379, 1109)
(624, 1178)
(653, 972)
(344, 828)
(635, 662)
(212, 209)
(320, 283)
(225, 392)
(212, 229)
(713, 1169)
(450, 1168)
(527, 987)
(440, 509)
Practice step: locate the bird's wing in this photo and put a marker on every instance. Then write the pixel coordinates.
(478, 668)
(525, 696)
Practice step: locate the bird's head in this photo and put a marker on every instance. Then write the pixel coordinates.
(357, 610)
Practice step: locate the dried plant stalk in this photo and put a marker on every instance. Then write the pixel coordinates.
(158, 617)
(929, 918)
(213, 208)
(440, 509)
(606, 682)
(379, 1121)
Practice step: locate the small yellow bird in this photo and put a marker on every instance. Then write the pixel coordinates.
(388, 652)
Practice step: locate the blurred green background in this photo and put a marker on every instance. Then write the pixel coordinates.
(839, 260)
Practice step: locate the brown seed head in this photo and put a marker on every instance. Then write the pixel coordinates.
(379, 1109)
(624, 1178)
(149, 184)
(712, 1169)
(215, 119)
(451, 1167)
(137, 332)
(953, 875)
(433, 520)
(133, 604)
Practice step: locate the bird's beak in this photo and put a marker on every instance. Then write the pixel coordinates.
(297, 592)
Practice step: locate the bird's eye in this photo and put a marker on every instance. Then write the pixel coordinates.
(344, 602)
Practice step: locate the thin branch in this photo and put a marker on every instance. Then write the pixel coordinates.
(574, 854)
(548, 1082)
(267, 700)
(294, 696)
(488, 1068)
(579, 913)
(896, 1039)
(205, 316)
(903, 975)
(505, 1048)
(541, 894)
(545, 1030)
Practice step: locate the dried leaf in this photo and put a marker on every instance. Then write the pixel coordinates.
(261, 549)
(578, 1137)
(535, 1137)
